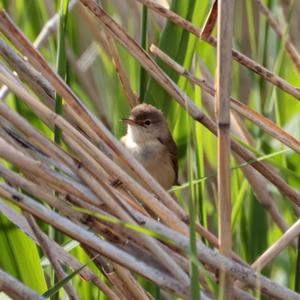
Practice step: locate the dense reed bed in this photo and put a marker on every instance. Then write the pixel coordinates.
(74, 224)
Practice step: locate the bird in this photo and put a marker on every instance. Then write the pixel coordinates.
(149, 140)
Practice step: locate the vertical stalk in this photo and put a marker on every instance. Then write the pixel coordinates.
(199, 148)
(61, 69)
(144, 42)
(61, 61)
(194, 272)
(223, 91)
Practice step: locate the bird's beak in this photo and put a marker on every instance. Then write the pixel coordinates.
(129, 122)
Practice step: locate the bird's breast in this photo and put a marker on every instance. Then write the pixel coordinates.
(154, 157)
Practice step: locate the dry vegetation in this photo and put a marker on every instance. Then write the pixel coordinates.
(138, 241)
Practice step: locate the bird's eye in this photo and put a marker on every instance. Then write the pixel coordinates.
(147, 122)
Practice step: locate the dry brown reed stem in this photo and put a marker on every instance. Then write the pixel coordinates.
(51, 255)
(129, 93)
(126, 292)
(106, 267)
(137, 292)
(15, 289)
(88, 238)
(284, 241)
(120, 287)
(86, 120)
(280, 31)
(264, 123)
(211, 20)
(147, 62)
(239, 57)
(211, 258)
(222, 109)
(267, 125)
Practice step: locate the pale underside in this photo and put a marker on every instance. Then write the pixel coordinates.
(154, 157)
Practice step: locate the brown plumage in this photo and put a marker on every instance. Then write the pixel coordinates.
(149, 140)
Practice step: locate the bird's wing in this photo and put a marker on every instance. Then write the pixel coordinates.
(169, 143)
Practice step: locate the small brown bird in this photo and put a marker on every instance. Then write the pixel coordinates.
(149, 140)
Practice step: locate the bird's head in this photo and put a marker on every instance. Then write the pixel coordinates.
(146, 122)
